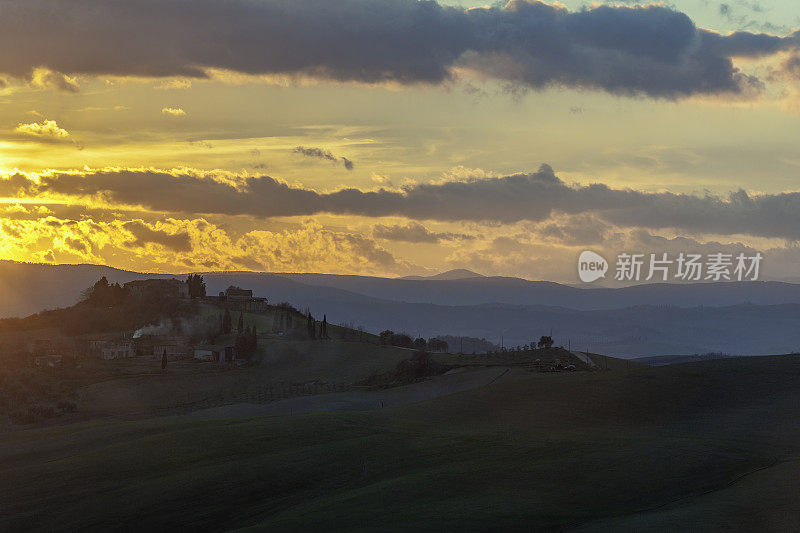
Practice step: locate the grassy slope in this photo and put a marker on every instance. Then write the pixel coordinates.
(547, 451)
(139, 387)
(265, 322)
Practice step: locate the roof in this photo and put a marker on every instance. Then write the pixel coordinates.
(154, 282)
(238, 291)
(212, 347)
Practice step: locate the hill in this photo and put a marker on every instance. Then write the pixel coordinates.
(703, 446)
(587, 319)
(458, 273)
(31, 287)
(659, 360)
(516, 291)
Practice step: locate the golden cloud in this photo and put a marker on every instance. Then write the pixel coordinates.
(173, 111)
(47, 79)
(195, 244)
(46, 128)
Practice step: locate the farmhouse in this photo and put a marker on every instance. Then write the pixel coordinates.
(40, 347)
(117, 350)
(238, 299)
(150, 288)
(52, 361)
(215, 352)
(176, 347)
(96, 344)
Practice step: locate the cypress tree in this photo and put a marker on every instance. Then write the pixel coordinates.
(226, 322)
(240, 325)
(164, 359)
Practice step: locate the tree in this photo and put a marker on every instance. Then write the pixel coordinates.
(104, 294)
(226, 322)
(246, 344)
(240, 325)
(277, 318)
(437, 345)
(311, 325)
(164, 359)
(196, 285)
(419, 344)
(324, 326)
(386, 336)
(546, 341)
(402, 339)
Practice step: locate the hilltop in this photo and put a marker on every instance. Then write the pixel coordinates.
(458, 273)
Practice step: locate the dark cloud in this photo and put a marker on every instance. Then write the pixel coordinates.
(650, 50)
(414, 232)
(320, 153)
(579, 229)
(143, 234)
(788, 69)
(532, 197)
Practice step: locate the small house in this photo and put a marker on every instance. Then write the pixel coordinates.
(239, 299)
(157, 287)
(117, 350)
(52, 361)
(215, 352)
(176, 347)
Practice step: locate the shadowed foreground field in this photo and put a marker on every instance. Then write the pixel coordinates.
(700, 446)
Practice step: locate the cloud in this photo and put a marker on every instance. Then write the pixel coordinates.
(573, 230)
(46, 128)
(144, 234)
(414, 232)
(173, 111)
(320, 153)
(195, 243)
(176, 83)
(534, 197)
(649, 50)
(47, 79)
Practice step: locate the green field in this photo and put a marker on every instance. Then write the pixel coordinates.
(703, 446)
(284, 368)
(267, 322)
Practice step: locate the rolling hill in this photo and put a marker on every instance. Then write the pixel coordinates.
(706, 446)
(644, 320)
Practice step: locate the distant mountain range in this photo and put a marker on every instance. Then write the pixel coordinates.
(644, 320)
(458, 273)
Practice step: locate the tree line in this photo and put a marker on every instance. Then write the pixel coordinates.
(403, 340)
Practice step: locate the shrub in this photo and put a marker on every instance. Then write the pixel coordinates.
(418, 367)
(34, 413)
(66, 407)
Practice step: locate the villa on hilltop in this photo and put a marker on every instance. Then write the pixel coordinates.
(238, 299)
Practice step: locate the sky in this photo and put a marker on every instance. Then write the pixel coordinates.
(396, 137)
